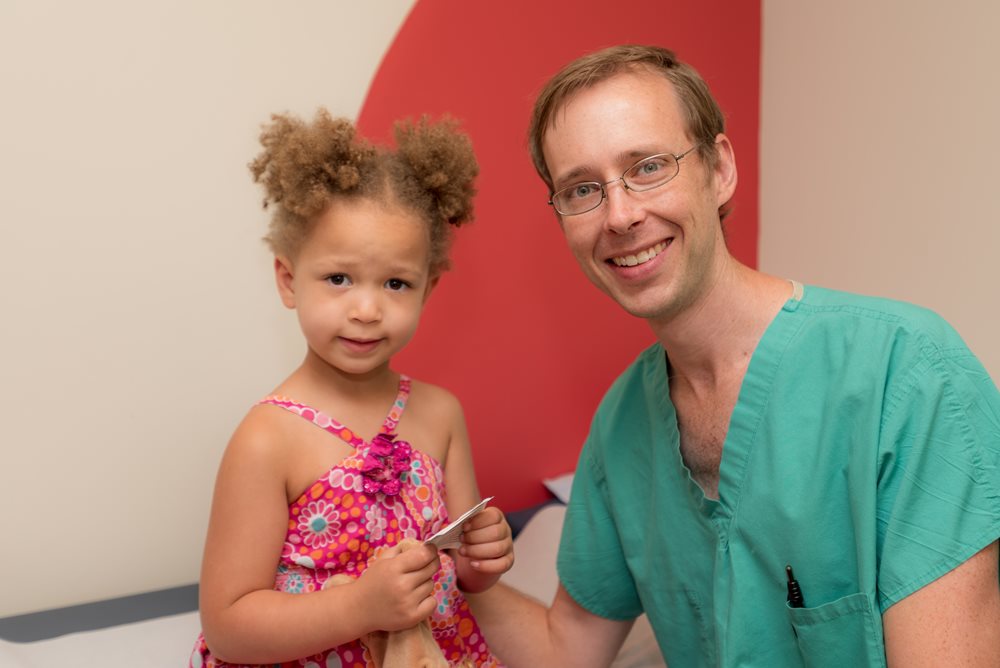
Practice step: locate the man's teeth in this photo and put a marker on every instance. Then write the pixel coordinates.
(642, 257)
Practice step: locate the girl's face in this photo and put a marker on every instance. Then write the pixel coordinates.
(358, 284)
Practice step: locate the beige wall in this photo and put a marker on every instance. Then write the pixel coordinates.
(139, 317)
(879, 146)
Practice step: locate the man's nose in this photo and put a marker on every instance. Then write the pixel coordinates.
(623, 210)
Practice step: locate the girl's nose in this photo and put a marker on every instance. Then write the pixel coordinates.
(365, 307)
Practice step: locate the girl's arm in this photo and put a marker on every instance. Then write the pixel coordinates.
(243, 618)
(488, 549)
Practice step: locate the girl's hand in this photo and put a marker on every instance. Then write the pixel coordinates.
(487, 543)
(398, 587)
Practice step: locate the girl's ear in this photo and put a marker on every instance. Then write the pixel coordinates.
(284, 276)
(431, 284)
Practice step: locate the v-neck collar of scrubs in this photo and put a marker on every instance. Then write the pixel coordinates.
(750, 408)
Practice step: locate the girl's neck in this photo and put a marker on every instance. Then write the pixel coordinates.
(317, 381)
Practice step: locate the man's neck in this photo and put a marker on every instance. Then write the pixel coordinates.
(713, 339)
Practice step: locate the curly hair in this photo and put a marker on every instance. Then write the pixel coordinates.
(305, 166)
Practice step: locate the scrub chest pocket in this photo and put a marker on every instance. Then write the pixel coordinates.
(840, 634)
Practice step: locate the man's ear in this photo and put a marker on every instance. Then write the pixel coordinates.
(725, 170)
(431, 284)
(284, 276)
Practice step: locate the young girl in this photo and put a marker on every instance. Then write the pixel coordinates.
(360, 237)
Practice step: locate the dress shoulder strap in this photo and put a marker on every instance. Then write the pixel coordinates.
(396, 411)
(324, 421)
(317, 417)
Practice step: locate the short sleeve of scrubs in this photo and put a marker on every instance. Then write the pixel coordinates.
(939, 470)
(591, 562)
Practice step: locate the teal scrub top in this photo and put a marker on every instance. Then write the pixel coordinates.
(863, 450)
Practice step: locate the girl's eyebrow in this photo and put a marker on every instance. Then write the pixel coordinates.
(406, 269)
(348, 264)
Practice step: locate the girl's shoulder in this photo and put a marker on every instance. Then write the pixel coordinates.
(257, 457)
(440, 427)
(433, 419)
(429, 397)
(270, 433)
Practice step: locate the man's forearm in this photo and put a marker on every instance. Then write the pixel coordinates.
(516, 626)
(526, 634)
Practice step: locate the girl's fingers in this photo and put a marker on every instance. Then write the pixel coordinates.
(486, 517)
(490, 550)
(419, 559)
(497, 566)
(487, 534)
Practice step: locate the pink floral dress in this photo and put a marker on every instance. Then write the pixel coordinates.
(352, 513)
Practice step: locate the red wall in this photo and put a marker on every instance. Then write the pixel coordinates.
(515, 330)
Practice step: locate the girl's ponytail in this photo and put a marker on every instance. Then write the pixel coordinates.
(443, 164)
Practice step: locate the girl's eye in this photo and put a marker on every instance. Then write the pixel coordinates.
(338, 279)
(396, 284)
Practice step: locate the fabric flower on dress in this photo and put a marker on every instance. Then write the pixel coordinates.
(385, 463)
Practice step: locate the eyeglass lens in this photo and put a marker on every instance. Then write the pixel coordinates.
(646, 174)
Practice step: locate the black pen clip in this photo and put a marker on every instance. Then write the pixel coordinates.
(795, 599)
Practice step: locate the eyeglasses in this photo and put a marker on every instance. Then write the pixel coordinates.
(648, 173)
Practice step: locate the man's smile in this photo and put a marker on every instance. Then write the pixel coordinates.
(642, 256)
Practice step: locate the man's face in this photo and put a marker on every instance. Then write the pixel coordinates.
(653, 252)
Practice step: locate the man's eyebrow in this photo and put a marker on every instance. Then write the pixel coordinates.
(625, 159)
(629, 158)
(573, 175)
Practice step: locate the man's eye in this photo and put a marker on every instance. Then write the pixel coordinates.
(649, 171)
(650, 167)
(582, 190)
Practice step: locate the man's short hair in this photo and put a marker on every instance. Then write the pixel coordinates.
(703, 118)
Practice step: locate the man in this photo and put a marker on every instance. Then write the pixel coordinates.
(854, 439)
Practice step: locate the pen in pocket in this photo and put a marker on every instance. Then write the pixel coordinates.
(795, 599)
